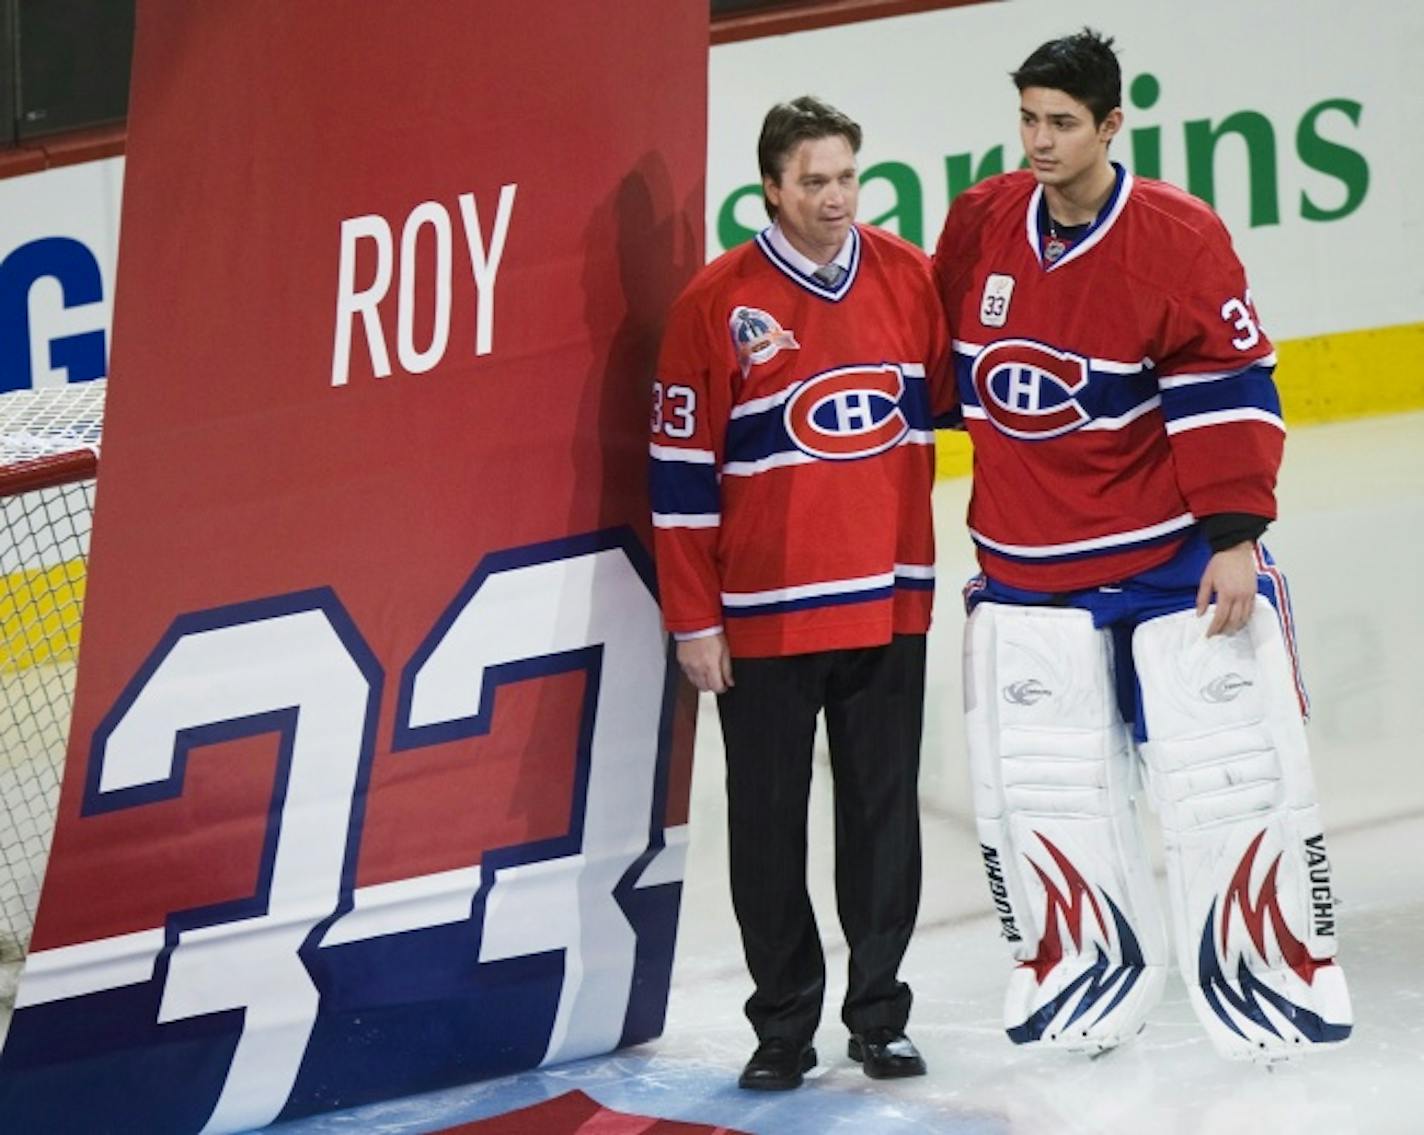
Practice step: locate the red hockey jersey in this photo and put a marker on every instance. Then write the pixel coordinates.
(792, 448)
(1114, 395)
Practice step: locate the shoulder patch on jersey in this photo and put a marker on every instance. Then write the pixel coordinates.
(994, 305)
(758, 337)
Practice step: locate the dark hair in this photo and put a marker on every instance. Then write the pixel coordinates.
(1083, 65)
(788, 124)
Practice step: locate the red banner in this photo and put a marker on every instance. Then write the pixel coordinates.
(377, 779)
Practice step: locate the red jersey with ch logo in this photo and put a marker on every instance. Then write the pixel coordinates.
(1115, 393)
(792, 448)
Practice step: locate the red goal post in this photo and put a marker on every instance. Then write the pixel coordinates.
(49, 459)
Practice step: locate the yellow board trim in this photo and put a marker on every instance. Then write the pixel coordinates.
(1354, 374)
(39, 615)
(1326, 378)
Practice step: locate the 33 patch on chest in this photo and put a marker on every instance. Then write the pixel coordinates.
(994, 307)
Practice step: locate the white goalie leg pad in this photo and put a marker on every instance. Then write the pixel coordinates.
(1253, 914)
(1052, 774)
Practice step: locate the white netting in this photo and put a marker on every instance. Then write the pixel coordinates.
(45, 513)
(36, 423)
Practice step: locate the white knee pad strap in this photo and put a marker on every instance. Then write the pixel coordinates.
(1053, 782)
(1252, 912)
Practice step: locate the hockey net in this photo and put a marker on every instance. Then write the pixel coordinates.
(49, 450)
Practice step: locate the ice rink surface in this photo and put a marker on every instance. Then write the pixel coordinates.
(1351, 540)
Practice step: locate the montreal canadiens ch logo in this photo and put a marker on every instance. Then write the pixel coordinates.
(848, 413)
(1028, 389)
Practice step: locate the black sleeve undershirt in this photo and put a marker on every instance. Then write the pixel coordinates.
(1227, 529)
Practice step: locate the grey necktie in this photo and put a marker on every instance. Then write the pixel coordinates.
(830, 274)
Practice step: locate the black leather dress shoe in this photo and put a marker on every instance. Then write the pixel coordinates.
(885, 1054)
(777, 1065)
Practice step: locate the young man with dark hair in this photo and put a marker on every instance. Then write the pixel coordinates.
(792, 462)
(1117, 385)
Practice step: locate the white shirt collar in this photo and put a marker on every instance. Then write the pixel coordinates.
(799, 269)
(804, 264)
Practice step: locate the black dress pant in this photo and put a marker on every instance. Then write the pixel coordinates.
(873, 698)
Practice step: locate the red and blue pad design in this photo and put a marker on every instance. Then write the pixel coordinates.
(1076, 985)
(1247, 870)
(377, 780)
(1052, 771)
(1298, 1002)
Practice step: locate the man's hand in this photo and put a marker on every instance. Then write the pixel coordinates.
(1230, 578)
(706, 661)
